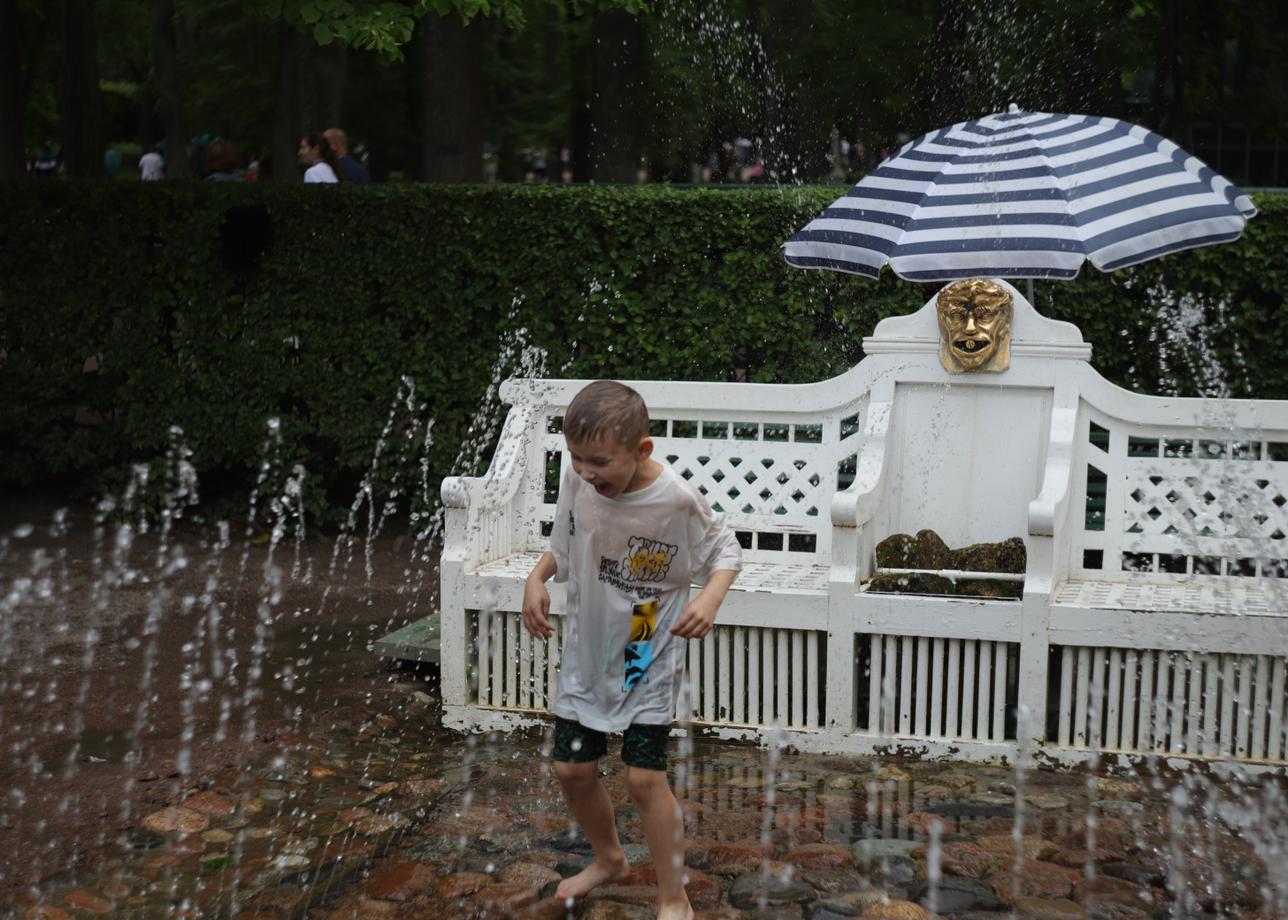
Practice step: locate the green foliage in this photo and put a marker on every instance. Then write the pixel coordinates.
(384, 26)
(358, 290)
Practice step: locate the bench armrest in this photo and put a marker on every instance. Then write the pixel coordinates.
(855, 506)
(1048, 510)
(480, 511)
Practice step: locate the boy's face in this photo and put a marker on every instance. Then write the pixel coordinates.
(609, 465)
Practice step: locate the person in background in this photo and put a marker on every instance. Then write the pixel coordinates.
(318, 160)
(353, 170)
(221, 163)
(198, 150)
(46, 165)
(151, 166)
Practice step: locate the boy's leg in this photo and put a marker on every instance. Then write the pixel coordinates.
(577, 753)
(644, 750)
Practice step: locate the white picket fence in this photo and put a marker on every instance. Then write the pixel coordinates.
(1151, 622)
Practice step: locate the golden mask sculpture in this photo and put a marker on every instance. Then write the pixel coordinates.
(974, 326)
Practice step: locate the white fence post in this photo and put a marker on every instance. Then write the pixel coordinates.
(453, 619)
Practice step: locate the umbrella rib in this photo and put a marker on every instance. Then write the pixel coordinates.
(1064, 192)
(931, 177)
(929, 183)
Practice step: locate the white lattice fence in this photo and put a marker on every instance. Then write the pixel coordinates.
(773, 478)
(918, 686)
(1165, 702)
(1164, 504)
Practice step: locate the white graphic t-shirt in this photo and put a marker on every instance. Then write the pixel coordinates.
(629, 562)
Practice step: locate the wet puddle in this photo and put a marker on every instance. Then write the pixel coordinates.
(98, 746)
(389, 816)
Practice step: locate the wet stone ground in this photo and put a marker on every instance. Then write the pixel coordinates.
(384, 815)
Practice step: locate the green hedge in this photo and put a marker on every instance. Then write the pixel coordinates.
(193, 298)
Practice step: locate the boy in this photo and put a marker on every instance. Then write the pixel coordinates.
(629, 535)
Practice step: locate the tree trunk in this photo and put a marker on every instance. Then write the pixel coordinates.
(796, 125)
(417, 51)
(170, 99)
(1167, 96)
(510, 165)
(579, 77)
(13, 145)
(941, 99)
(552, 82)
(286, 106)
(335, 63)
(80, 102)
(448, 77)
(322, 91)
(617, 55)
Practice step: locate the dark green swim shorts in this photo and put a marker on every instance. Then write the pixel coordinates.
(643, 746)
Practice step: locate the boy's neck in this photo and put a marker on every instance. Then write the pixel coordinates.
(645, 475)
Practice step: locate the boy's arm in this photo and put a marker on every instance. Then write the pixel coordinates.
(700, 614)
(536, 599)
(545, 568)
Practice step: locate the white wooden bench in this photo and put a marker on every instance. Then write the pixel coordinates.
(1150, 621)
(1171, 587)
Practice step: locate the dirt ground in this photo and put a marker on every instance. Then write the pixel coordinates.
(131, 672)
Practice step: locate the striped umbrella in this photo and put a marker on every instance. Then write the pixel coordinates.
(1023, 195)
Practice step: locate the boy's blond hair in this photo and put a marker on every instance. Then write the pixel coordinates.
(607, 410)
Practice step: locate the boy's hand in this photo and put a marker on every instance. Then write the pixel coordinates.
(698, 618)
(536, 609)
(700, 615)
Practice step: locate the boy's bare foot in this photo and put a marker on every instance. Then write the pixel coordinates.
(597, 873)
(676, 912)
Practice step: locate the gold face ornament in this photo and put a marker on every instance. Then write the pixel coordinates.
(974, 326)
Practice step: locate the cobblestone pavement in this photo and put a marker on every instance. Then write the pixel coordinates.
(387, 816)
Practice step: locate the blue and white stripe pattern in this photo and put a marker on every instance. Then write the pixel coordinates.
(1023, 195)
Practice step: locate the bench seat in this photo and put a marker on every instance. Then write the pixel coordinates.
(1258, 597)
(755, 576)
(798, 589)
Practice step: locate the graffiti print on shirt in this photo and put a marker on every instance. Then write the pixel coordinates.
(639, 572)
(639, 650)
(646, 561)
(644, 620)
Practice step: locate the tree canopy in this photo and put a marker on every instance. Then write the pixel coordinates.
(680, 89)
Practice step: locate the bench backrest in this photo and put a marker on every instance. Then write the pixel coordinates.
(772, 471)
(964, 460)
(1192, 500)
